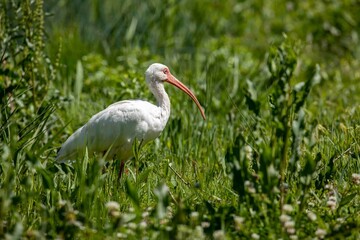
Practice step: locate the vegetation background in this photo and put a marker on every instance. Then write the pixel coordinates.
(277, 157)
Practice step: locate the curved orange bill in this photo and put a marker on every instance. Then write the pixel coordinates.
(172, 80)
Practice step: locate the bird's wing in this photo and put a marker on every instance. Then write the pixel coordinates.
(115, 127)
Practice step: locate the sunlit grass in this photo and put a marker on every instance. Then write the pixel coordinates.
(277, 157)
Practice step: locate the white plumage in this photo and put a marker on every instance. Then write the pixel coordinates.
(115, 128)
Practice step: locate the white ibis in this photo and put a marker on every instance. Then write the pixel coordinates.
(114, 129)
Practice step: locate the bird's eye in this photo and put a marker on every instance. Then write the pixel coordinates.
(165, 71)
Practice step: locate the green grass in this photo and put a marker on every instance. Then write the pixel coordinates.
(277, 157)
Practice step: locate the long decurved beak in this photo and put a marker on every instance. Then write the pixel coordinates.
(172, 80)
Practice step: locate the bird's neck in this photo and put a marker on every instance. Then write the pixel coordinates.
(163, 101)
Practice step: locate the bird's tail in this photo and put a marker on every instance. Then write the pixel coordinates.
(72, 146)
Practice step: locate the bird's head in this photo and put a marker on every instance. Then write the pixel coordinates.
(159, 73)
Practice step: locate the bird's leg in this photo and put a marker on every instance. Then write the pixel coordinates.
(106, 165)
(121, 170)
(137, 157)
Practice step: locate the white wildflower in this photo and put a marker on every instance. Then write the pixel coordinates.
(113, 208)
(252, 190)
(121, 235)
(320, 233)
(290, 230)
(250, 187)
(331, 205)
(142, 225)
(132, 225)
(194, 216)
(288, 208)
(255, 236)
(355, 177)
(62, 203)
(332, 198)
(248, 152)
(329, 187)
(238, 222)
(284, 218)
(247, 183)
(311, 216)
(205, 224)
(289, 224)
(112, 205)
(219, 235)
(145, 214)
(293, 237)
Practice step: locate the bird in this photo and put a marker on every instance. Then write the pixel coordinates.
(114, 129)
